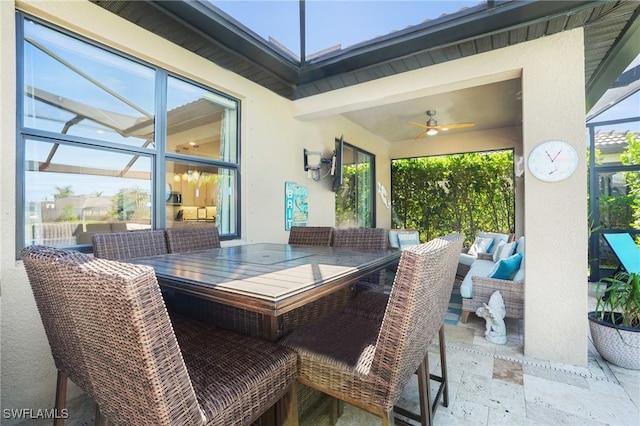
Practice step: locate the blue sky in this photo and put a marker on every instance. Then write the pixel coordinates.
(345, 23)
(628, 108)
(333, 22)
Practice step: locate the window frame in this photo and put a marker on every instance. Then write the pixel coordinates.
(356, 150)
(158, 155)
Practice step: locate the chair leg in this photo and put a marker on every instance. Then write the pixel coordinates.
(268, 418)
(424, 393)
(443, 367)
(287, 408)
(464, 317)
(333, 411)
(388, 419)
(61, 398)
(100, 419)
(425, 416)
(428, 409)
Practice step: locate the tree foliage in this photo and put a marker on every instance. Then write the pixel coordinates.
(353, 197)
(631, 157)
(63, 192)
(620, 205)
(68, 214)
(463, 193)
(131, 204)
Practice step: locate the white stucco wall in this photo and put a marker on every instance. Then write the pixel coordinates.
(274, 133)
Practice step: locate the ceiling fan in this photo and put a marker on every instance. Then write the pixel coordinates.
(432, 128)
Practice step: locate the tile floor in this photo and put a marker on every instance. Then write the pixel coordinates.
(493, 384)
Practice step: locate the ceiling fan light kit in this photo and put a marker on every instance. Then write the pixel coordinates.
(432, 127)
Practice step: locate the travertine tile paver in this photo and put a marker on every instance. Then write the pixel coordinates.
(603, 401)
(543, 415)
(462, 412)
(509, 371)
(496, 394)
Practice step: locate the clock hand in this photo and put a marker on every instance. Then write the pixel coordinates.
(556, 156)
(549, 155)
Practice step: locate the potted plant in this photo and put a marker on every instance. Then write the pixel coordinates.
(615, 323)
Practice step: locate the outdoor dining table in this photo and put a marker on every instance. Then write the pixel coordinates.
(267, 278)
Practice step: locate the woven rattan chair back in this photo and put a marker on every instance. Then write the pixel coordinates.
(360, 238)
(311, 235)
(365, 239)
(132, 367)
(416, 310)
(129, 245)
(110, 333)
(181, 240)
(43, 265)
(368, 360)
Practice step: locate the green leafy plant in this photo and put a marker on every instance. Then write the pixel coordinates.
(620, 303)
(463, 193)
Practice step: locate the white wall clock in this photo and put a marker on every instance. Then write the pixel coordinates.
(553, 161)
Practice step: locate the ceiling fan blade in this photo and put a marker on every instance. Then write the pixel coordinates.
(456, 125)
(421, 135)
(424, 126)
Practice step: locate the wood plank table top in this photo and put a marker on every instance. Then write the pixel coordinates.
(267, 278)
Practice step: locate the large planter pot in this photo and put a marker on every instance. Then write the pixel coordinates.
(617, 344)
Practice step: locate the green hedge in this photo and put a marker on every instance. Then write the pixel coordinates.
(463, 193)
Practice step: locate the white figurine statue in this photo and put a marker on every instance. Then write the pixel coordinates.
(494, 314)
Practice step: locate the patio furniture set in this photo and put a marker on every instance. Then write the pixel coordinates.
(143, 362)
(494, 262)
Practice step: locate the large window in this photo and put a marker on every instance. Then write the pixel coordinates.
(355, 197)
(109, 144)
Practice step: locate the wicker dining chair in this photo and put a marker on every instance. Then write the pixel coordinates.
(368, 362)
(110, 333)
(365, 239)
(129, 245)
(311, 235)
(372, 305)
(181, 240)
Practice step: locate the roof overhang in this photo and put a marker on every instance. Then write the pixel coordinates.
(611, 41)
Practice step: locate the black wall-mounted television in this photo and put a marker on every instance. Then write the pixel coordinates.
(336, 164)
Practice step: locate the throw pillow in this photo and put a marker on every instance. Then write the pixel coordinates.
(408, 239)
(480, 245)
(520, 245)
(505, 269)
(505, 251)
(496, 252)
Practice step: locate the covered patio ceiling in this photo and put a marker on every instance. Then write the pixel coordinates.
(612, 31)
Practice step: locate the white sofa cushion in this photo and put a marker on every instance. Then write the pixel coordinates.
(402, 238)
(408, 239)
(497, 250)
(504, 250)
(480, 245)
(520, 246)
(519, 276)
(466, 259)
(393, 239)
(496, 237)
(480, 268)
